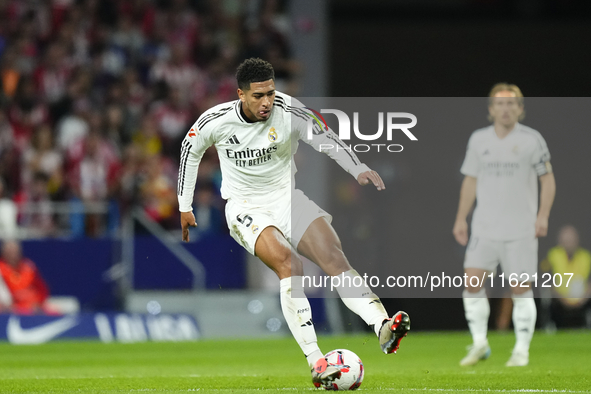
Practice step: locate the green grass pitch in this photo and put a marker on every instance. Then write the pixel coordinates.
(426, 362)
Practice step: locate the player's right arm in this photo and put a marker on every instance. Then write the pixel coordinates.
(194, 145)
(333, 146)
(467, 198)
(470, 169)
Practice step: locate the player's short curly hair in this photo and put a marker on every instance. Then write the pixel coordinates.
(253, 70)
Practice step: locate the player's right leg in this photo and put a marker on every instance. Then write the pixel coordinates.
(320, 243)
(482, 257)
(274, 250)
(477, 312)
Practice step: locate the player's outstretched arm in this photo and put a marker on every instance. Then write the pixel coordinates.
(547, 193)
(194, 145)
(467, 198)
(371, 177)
(187, 220)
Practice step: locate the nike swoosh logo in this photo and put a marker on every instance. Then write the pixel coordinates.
(40, 334)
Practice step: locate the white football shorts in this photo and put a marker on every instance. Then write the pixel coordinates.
(516, 257)
(290, 212)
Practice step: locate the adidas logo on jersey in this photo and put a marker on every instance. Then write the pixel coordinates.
(233, 140)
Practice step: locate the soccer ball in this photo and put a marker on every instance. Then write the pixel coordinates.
(351, 369)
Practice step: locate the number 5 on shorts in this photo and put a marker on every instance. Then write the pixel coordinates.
(246, 220)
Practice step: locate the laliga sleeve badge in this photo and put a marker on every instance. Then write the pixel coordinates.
(272, 135)
(255, 228)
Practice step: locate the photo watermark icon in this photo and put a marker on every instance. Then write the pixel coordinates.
(318, 125)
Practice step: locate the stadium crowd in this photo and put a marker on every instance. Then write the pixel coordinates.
(96, 96)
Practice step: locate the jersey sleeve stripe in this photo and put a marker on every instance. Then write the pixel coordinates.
(204, 118)
(181, 177)
(290, 107)
(211, 116)
(290, 111)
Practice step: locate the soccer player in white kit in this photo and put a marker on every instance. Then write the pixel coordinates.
(502, 166)
(256, 138)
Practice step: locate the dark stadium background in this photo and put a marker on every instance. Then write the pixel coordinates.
(461, 49)
(343, 48)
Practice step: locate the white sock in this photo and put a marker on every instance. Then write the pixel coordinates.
(360, 299)
(298, 314)
(477, 310)
(524, 320)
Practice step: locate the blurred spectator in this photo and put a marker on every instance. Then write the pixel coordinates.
(6, 133)
(115, 129)
(9, 155)
(8, 215)
(134, 74)
(27, 288)
(172, 118)
(130, 178)
(37, 218)
(570, 304)
(27, 112)
(183, 23)
(93, 181)
(158, 192)
(146, 138)
(9, 72)
(41, 157)
(180, 74)
(128, 38)
(78, 95)
(136, 94)
(73, 126)
(156, 50)
(52, 75)
(118, 96)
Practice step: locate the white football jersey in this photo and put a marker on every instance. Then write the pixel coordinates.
(256, 158)
(507, 172)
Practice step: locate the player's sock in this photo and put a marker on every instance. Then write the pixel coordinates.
(524, 320)
(477, 310)
(360, 299)
(298, 314)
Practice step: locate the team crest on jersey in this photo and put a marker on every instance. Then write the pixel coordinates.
(255, 228)
(515, 150)
(272, 135)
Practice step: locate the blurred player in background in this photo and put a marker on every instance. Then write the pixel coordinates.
(256, 138)
(502, 166)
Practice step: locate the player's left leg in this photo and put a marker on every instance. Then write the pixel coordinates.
(274, 250)
(524, 322)
(320, 243)
(521, 258)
